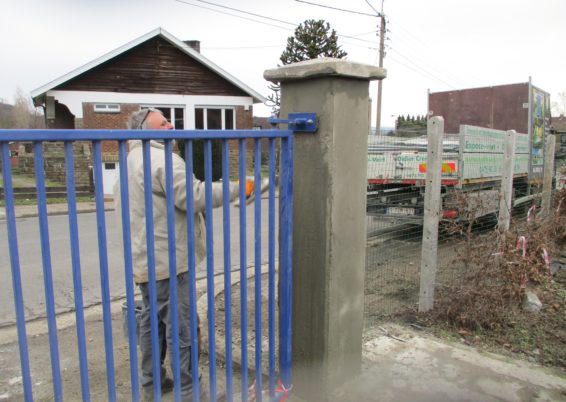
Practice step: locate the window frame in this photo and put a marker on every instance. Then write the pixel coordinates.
(107, 108)
(222, 109)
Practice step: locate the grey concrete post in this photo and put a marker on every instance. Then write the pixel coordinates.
(432, 207)
(549, 146)
(506, 191)
(329, 208)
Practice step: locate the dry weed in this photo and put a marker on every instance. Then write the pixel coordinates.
(499, 269)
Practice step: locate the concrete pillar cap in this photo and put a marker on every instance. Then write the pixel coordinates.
(321, 67)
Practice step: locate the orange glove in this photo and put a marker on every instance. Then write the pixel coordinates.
(250, 185)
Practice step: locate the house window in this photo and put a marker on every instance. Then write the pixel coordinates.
(175, 115)
(107, 108)
(214, 118)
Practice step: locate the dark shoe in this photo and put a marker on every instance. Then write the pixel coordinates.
(166, 386)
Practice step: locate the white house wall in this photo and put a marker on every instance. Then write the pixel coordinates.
(74, 101)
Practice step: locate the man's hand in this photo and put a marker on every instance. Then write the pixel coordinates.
(251, 190)
(250, 185)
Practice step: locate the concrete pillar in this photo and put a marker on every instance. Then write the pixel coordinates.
(549, 147)
(432, 210)
(329, 208)
(506, 191)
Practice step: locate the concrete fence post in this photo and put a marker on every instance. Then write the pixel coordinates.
(432, 210)
(506, 191)
(549, 146)
(329, 209)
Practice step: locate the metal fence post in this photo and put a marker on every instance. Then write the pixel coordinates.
(506, 191)
(432, 208)
(548, 173)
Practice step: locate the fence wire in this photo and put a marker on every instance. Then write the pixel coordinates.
(470, 199)
(395, 203)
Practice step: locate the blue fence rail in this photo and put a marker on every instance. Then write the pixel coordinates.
(282, 239)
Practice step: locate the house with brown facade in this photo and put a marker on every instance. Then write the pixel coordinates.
(155, 70)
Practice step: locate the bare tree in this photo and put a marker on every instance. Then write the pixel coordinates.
(23, 113)
(559, 107)
(21, 110)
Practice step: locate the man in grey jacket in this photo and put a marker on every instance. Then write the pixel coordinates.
(153, 119)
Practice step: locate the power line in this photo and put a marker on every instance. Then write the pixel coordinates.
(425, 65)
(246, 12)
(425, 70)
(240, 47)
(420, 44)
(414, 50)
(373, 8)
(366, 33)
(272, 19)
(423, 73)
(336, 8)
(233, 15)
(258, 15)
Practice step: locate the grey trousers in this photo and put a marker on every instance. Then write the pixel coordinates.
(164, 330)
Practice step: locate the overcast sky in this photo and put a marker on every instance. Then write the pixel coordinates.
(434, 44)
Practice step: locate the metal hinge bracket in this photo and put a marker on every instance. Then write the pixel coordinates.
(303, 122)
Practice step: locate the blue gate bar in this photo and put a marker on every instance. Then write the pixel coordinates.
(150, 239)
(193, 318)
(103, 262)
(257, 272)
(227, 268)
(76, 264)
(172, 248)
(210, 267)
(285, 255)
(47, 271)
(128, 269)
(16, 276)
(243, 270)
(271, 265)
(144, 135)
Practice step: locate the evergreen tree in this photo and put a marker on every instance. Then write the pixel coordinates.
(312, 39)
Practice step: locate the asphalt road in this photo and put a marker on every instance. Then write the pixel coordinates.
(31, 266)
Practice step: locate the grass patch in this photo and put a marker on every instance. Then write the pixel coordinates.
(25, 180)
(49, 201)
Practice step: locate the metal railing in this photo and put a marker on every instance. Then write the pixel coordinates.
(283, 238)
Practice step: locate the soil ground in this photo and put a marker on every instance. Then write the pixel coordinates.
(535, 337)
(392, 292)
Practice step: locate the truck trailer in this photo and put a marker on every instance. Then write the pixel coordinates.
(471, 172)
(475, 123)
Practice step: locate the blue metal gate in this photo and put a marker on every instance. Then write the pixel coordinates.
(283, 238)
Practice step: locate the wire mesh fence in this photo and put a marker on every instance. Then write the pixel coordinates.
(472, 196)
(395, 202)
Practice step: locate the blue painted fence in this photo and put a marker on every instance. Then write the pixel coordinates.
(282, 239)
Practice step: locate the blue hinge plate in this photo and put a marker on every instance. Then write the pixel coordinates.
(303, 122)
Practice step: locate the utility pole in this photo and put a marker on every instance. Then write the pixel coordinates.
(382, 31)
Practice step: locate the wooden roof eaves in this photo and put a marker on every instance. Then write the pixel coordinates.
(257, 97)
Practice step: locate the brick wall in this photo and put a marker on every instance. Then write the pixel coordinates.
(244, 121)
(109, 121)
(54, 162)
(96, 120)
